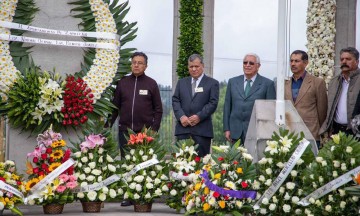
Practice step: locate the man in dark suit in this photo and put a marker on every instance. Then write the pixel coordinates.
(194, 101)
(241, 93)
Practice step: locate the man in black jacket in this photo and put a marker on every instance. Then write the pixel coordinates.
(137, 98)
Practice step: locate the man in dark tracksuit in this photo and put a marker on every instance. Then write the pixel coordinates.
(137, 98)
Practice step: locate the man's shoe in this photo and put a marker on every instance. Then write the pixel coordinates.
(126, 203)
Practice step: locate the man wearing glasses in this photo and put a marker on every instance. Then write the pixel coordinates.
(138, 100)
(241, 93)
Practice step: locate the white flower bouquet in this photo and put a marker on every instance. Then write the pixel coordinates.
(94, 167)
(277, 155)
(226, 184)
(184, 166)
(339, 156)
(143, 169)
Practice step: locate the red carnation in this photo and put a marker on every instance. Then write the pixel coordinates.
(220, 159)
(223, 172)
(244, 184)
(18, 182)
(235, 163)
(216, 194)
(49, 150)
(36, 170)
(35, 159)
(2, 179)
(185, 174)
(226, 197)
(44, 156)
(197, 159)
(169, 185)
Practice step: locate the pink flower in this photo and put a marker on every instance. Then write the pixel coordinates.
(97, 139)
(72, 178)
(87, 145)
(61, 188)
(37, 152)
(92, 141)
(71, 185)
(64, 177)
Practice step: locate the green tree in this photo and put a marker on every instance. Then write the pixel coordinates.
(190, 39)
(217, 117)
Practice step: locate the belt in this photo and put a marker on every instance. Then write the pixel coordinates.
(341, 127)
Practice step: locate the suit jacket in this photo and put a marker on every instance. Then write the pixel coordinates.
(311, 102)
(334, 91)
(202, 104)
(238, 107)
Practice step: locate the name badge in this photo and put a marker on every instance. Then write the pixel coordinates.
(143, 92)
(199, 89)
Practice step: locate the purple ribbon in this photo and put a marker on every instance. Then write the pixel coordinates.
(242, 194)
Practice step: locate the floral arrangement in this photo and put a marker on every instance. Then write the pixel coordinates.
(94, 165)
(9, 200)
(77, 102)
(148, 181)
(355, 125)
(226, 185)
(49, 154)
(277, 153)
(338, 156)
(184, 166)
(321, 38)
(98, 72)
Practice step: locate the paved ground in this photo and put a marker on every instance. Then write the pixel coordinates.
(75, 209)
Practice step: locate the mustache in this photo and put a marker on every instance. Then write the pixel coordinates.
(344, 66)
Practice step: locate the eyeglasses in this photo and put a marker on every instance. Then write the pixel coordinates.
(249, 62)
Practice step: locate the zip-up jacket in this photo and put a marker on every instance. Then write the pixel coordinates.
(139, 103)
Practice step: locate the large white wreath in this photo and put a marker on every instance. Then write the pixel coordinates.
(103, 63)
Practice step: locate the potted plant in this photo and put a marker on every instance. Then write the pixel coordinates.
(50, 170)
(94, 167)
(144, 170)
(9, 199)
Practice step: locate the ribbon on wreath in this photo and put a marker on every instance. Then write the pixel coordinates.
(240, 194)
(299, 151)
(331, 186)
(11, 189)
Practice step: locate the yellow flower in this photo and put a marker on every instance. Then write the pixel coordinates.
(206, 207)
(217, 176)
(59, 143)
(15, 177)
(197, 172)
(57, 154)
(206, 190)
(31, 183)
(53, 166)
(198, 186)
(207, 167)
(222, 204)
(336, 138)
(239, 170)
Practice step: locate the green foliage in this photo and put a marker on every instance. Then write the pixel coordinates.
(190, 39)
(22, 100)
(24, 14)
(217, 117)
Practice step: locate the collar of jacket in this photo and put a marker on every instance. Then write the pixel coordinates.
(139, 77)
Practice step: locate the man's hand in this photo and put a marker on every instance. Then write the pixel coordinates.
(227, 136)
(184, 121)
(194, 120)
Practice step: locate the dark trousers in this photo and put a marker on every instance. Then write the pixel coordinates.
(204, 143)
(336, 128)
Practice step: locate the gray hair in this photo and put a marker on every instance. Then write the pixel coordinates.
(255, 55)
(354, 52)
(194, 57)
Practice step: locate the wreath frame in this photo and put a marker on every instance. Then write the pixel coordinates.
(21, 56)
